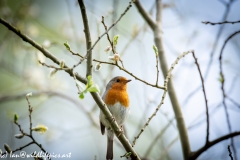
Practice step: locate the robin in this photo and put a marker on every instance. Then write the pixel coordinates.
(116, 98)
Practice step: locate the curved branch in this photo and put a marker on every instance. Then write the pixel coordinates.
(223, 90)
(195, 154)
(205, 97)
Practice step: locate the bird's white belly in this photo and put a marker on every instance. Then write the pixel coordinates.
(119, 112)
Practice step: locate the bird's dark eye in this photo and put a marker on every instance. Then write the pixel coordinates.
(118, 80)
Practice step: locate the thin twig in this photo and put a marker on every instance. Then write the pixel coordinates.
(110, 41)
(157, 69)
(195, 154)
(95, 43)
(20, 128)
(163, 96)
(50, 66)
(108, 37)
(227, 5)
(131, 74)
(230, 153)
(18, 149)
(205, 97)
(30, 109)
(223, 90)
(233, 101)
(224, 22)
(76, 54)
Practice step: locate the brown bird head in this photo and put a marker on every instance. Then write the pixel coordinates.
(118, 83)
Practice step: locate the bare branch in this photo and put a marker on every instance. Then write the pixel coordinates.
(195, 154)
(163, 96)
(30, 109)
(95, 43)
(205, 97)
(131, 74)
(122, 138)
(50, 66)
(157, 30)
(87, 37)
(223, 90)
(39, 47)
(224, 17)
(145, 15)
(224, 22)
(230, 153)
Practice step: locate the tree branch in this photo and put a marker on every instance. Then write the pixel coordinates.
(163, 96)
(195, 154)
(40, 48)
(131, 74)
(95, 43)
(224, 22)
(145, 15)
(223, 90)
(157, 29)
(95, 95)
(205, 98)
(87, 37)
(227, 6)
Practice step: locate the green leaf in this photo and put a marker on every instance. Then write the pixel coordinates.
(155, 50)
(15, 117)
(67, 45)
(93, 88)
(81, 96)
(115, 40)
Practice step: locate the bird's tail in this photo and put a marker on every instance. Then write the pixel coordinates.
(109, 155)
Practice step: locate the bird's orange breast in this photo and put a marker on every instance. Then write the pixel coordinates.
(114, 96)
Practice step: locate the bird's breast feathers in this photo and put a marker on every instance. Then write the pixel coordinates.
(117, 96)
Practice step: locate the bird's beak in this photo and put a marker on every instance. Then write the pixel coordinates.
(128, 80)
